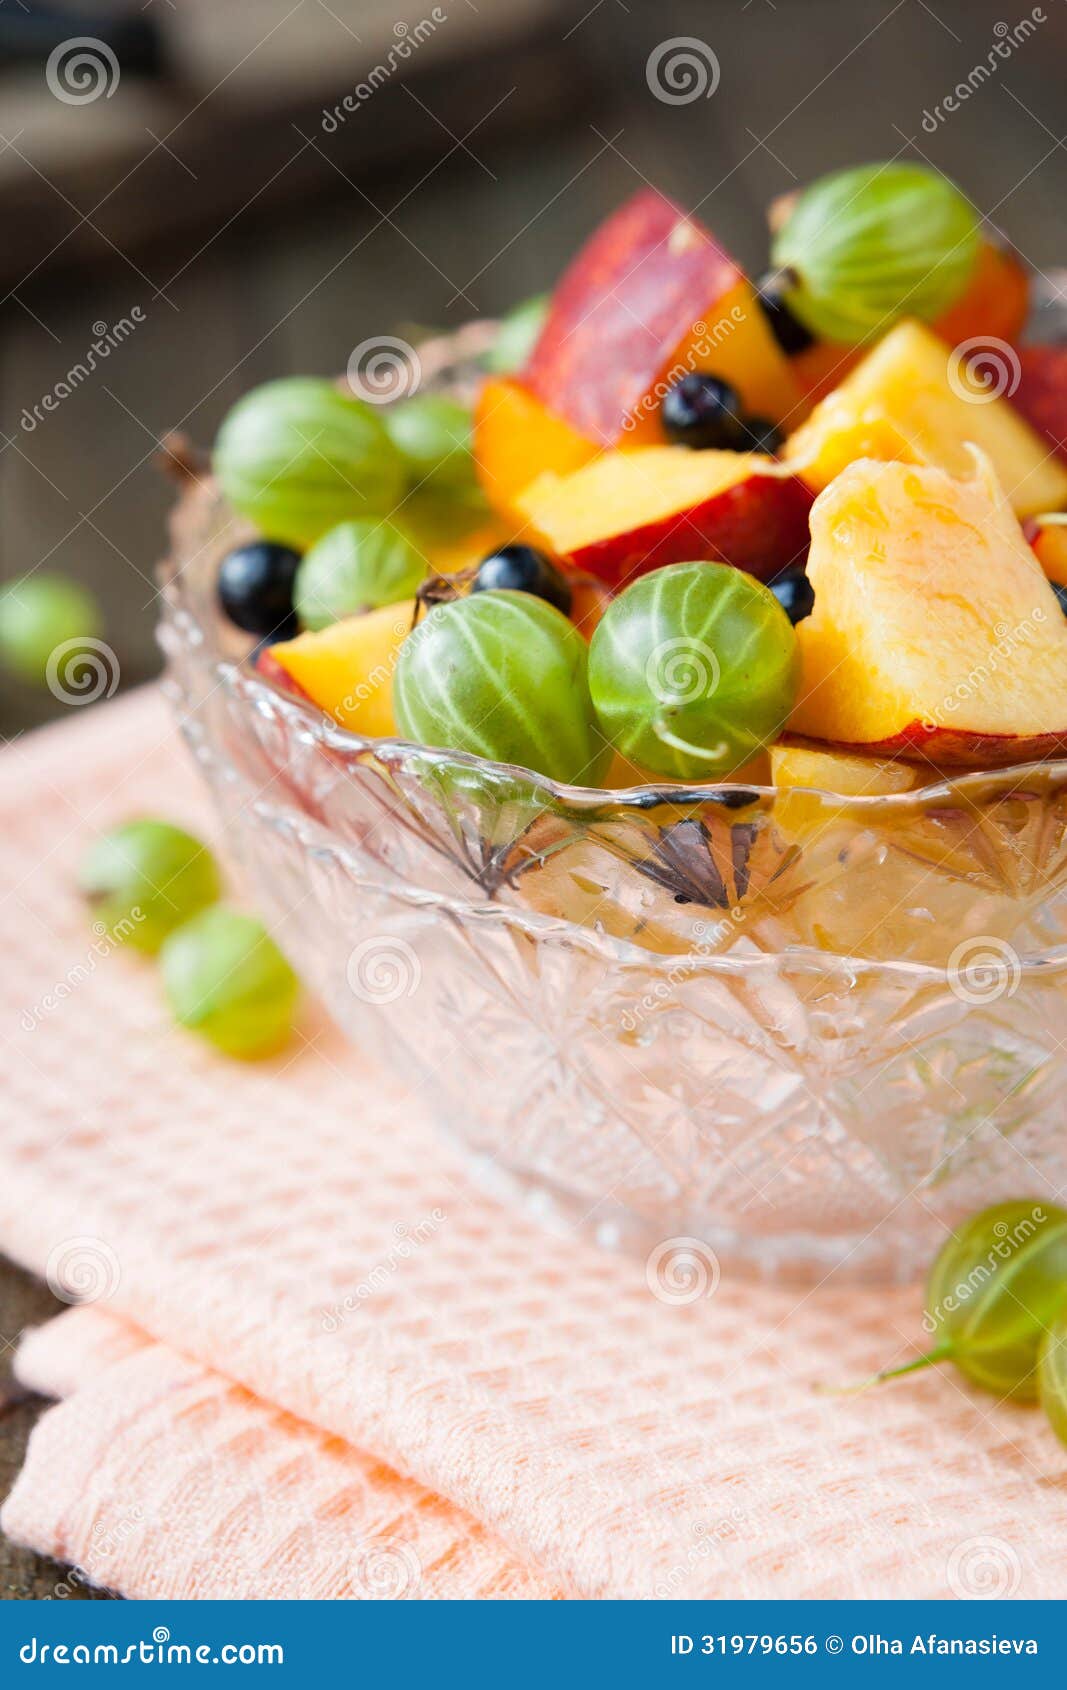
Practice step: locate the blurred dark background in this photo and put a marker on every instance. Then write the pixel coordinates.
(198, 194)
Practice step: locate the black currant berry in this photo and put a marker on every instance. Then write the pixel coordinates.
(790, 334)
(522, 569)
(703, 412)
(256, 588)
(795, 594)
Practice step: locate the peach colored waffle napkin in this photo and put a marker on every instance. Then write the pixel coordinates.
(320, 1361)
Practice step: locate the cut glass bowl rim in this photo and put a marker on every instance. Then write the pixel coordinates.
(964, 783)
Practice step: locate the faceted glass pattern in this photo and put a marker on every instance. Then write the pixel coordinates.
(806, 1029)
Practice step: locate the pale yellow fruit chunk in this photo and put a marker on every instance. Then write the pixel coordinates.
(911, 398)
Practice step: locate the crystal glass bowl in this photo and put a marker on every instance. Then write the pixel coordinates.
(804, 1029)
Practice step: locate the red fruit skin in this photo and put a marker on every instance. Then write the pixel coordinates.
(267, 665)
(630, 296)
(1041, 395)
(759, 525)
(953, 748)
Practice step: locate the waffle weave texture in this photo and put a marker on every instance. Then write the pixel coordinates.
(321, 1361)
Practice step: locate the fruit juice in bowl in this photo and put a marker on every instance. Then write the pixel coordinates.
(659, 765)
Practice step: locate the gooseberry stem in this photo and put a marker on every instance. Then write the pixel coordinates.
(943, 1352)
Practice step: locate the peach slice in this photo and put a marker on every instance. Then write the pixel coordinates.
(628, 512)
(935, 634)
(652, 296)
(1048, 536)
(908, 400)
(818, 770)
(516, 438)
(347, 669)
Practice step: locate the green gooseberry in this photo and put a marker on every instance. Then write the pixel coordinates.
(866, 245)
(40, 614)
(693, 669)
(226, 979)
(1052, 1375)
(517, 335)
(298, 456)
(432, 433)
(357, 566)
(145, 878)
(501, 675)
(995, 1290)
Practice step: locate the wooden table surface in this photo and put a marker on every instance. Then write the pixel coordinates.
(25, 1301)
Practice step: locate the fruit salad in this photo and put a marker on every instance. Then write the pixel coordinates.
(806, 530)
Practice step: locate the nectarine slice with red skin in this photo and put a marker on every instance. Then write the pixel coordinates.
(652, 290)
(629, 512)
(1041, 395)
(935, 634)
(516, 438)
